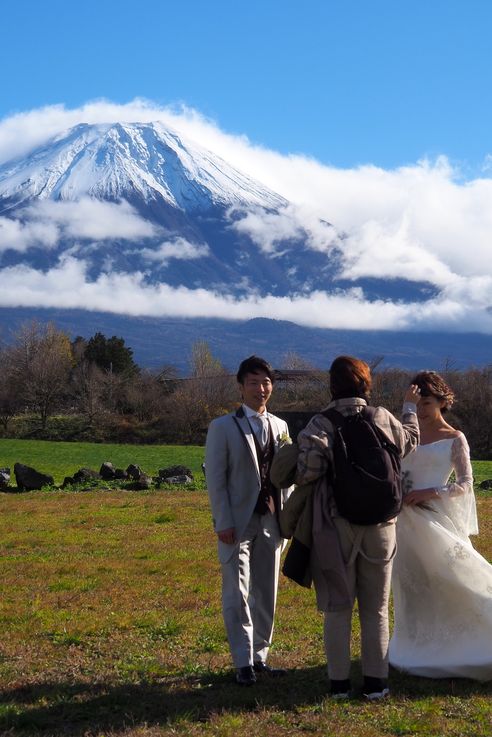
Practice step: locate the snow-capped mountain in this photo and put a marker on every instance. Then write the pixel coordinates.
(117, 161)
(127, 198)
(140, 199)
(136, 219)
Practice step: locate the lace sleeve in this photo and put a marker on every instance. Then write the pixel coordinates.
(457, 497)
(460, 458)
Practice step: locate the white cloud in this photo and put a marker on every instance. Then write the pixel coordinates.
(18, 236)
(179, 248)
(46, 221)
(67, 286)
(421, 222)
(93, 219)
(270, 230)
(267, 229)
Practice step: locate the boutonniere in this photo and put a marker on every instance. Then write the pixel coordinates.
(284, 439)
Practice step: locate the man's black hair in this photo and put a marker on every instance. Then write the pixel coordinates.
(254, 365)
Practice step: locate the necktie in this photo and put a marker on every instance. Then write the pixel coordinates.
(262, 424)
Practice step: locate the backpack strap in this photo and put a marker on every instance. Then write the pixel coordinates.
(335, 417)
(338, 419)
(369, 413)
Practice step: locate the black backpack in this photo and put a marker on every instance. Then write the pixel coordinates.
(366, 475)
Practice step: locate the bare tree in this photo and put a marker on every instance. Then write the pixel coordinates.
(300, 386)
(473, 408)
(41, 362)
(145, 396)
(10, 402)
(209, 391)
(88, 388)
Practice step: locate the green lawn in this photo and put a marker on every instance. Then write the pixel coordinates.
(111, 627)
(60, 459)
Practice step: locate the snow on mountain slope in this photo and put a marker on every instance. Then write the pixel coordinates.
(139, 199)
(116, 160)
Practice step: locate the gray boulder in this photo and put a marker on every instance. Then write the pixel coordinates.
(107, 471)
(133, 471)
(142, 483)
(181, 479)
(166, 473)
(85, 474)
(487, 484)
(28, 479)
(4, 478)
(120, 474)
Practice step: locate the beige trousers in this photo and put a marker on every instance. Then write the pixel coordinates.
(368, 552)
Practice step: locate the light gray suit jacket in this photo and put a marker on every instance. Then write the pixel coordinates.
(232, 473)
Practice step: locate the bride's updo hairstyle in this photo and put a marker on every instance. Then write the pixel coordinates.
(433, 385)
(350, 377)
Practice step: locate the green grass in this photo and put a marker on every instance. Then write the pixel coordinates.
(60, 459)
(482, 470)
(111, 627)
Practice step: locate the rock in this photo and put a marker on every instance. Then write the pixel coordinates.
(4, 478)
(142, 483)
(181, 479)
(134, 471)
(68, 481)
(28, 479)
(106, 471)
(119, 473)
(487, 484)
(85, 474)
(166, 473)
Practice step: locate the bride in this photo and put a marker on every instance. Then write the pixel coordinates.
(442, 588)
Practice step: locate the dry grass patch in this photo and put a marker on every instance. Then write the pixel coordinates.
(111, 621)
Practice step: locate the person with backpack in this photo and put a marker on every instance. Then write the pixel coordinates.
(351, 453)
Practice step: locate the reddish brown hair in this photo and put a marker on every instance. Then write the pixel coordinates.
(350, 377)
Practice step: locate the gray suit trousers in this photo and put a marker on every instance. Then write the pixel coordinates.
(249, 590)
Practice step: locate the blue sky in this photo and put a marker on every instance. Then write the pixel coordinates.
(348, 83)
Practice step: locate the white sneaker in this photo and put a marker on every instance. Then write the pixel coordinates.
(377, 695)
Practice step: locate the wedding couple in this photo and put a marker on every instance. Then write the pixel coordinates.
(442, 586)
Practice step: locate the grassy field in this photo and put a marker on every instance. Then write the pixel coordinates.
(111, 626)
(62, 459)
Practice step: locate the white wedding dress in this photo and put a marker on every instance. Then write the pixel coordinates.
(442, 588)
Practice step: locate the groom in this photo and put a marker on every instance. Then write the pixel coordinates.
(239, 452)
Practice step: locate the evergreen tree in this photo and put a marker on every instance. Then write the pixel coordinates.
(111, 354)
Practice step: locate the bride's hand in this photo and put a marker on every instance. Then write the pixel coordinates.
(417, 496)
(412, 394)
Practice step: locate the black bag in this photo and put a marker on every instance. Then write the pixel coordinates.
(297, 563)
(366, 475)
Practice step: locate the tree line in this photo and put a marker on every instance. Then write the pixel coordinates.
(92, 389)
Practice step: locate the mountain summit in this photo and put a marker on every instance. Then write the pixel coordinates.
(141, 198)
(128, 161)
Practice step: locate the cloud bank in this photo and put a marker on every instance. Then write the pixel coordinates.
(421, 221)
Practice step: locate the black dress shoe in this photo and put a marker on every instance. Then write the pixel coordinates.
(340, 689)
(260, 667)
(245, 676)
